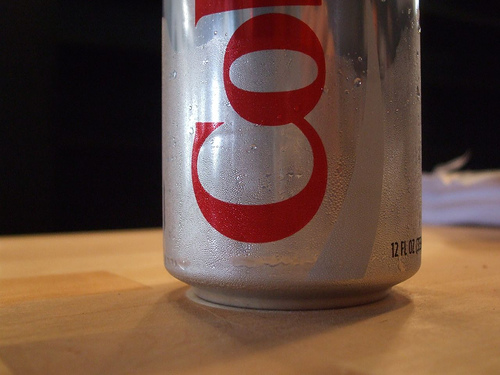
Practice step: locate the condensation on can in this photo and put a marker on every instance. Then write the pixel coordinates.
(291, 150)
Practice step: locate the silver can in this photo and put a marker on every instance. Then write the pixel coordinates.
(291, 149)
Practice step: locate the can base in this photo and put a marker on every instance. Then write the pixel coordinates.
(337, 300)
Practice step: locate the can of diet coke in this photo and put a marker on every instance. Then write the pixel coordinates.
(291, 149)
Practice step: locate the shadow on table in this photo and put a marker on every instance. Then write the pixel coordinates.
(160, 330)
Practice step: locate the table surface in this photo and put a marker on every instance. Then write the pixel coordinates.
(102, 303)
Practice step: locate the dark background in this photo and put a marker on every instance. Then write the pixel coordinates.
(80, 106)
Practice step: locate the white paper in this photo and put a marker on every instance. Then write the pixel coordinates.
(450, 196)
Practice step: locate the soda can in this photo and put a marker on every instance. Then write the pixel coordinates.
(291, 149)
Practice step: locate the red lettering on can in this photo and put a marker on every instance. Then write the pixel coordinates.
(274, 32)
(274, 221)
(205, 7)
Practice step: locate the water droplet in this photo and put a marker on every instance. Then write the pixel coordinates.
(419, 29)
(253, 147)
(418, 92)
(358, 82)
(409, 11)
(215, 32)
(205, 62)
(360, 59)
(173, 74)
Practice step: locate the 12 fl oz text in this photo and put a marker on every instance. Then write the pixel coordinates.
(406, 247)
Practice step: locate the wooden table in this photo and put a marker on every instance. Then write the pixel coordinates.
(101, 303)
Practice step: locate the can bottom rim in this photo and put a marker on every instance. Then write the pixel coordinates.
(228, 300)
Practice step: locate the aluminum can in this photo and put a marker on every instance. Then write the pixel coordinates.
(291, 149)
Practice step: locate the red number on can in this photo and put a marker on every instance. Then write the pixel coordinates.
(275, 221)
